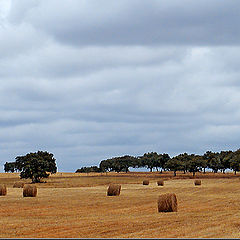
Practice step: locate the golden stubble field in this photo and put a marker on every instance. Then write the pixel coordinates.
(76, 206)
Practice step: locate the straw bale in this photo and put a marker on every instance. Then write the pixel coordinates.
(114, 190)
(29, 190)
(3, 190)
(197, 182)
(145, 182)
(167, 202)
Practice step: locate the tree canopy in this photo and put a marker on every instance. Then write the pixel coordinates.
(35, 166)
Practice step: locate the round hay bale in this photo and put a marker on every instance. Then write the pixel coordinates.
(167, 202)
(160, 183)
(114, 190)
(145, 182)
(3, 190)
(18, 185)
(29, 190)
(197, 182)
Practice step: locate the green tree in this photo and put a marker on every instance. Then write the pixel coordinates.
(125, 162)
(235, 161)
(174, 164)
(184, 158)
(149, 160)
(225, 157)
(118, 164)
(213, 161)
(88, 169)
(35, 166)
(203, 164)
(9, 167)
(162, 160)
(106, 165)
(194, 164)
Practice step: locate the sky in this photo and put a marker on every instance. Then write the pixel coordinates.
(88, 80)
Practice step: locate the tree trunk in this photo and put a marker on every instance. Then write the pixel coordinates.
(36, 180)
(174, 174)
(184, 171)
(150, 169)
(204, 170)
(193, 174)
(235, 172)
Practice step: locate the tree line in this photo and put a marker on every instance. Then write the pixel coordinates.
(216, 161)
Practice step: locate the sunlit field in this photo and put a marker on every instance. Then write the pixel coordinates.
(73, 205)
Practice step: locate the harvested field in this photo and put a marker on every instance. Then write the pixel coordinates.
(66, 208)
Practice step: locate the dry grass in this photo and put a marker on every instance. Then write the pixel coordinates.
(64, 208)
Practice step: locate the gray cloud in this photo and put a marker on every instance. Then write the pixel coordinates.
(89, 80)
(106, 22)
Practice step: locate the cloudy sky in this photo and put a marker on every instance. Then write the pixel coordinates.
(91, 79)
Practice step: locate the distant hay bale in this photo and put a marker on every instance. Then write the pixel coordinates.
(160, 182)
(29, 190)
(167, 203)
(197, 182)
(18, 185)
(114, 190)
(145, 182)
(3, 190)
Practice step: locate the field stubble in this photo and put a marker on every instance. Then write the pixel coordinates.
(76, 206)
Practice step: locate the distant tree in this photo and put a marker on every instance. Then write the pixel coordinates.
(235, 161)
(88, 169)
(35, 166)
(184, 158)
(213, 160)
(225, 157)
(9, 167)
(194, 163)
(204, 164)
(163, 158)
(149, 160)
(118, 164)
(125, 162)
(135, 162)
(106, 165)
(174, 164)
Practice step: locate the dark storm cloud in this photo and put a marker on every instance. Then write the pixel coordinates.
(106, 22)
(89, 80)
